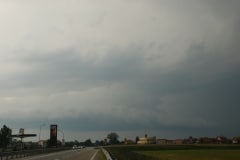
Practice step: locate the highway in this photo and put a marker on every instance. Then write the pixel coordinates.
(78, 154)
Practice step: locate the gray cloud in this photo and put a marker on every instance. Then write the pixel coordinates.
(132, 66)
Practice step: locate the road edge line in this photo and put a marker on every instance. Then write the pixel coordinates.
(107, 155)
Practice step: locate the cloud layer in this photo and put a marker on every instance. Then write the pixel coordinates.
(170, 66)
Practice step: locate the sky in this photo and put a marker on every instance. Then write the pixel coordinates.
(168, 68)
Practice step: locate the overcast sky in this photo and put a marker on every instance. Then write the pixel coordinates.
(169, 68)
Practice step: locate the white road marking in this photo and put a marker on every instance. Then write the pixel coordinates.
(94, 155)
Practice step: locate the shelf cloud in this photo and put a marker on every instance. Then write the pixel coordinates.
(121, 65)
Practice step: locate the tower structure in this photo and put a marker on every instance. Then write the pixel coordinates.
(53, 135)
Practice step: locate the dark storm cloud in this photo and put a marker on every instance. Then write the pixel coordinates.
(71, 71)
(164, 66)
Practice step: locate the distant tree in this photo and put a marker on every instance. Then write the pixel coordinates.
(76, 142)
(113, 138)
(5, 136)
(69, 144)
(101, 143)
(88, 142)
(137, 139)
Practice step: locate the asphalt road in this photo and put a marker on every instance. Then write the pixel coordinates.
(78, 154)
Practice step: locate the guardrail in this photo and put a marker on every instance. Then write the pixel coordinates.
(25, 153)
(108, 156)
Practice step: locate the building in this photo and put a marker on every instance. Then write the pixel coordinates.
(179, 141)
(147, 140)
(161, 141)
(207, 140)
(128, 141)
(166, 141)
(43, 143)
(221, 139)
(236, 140)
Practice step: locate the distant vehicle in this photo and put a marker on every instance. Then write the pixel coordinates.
(77, 147)
(74, 147)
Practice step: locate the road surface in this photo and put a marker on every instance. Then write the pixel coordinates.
(78, 154)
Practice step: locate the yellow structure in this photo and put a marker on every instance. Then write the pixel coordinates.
(147, 140)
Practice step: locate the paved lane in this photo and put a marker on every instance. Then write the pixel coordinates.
(80, 154)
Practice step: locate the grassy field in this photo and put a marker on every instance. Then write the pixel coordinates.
(193, 154)
(176, 152)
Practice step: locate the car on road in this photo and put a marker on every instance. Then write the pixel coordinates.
(77, 147)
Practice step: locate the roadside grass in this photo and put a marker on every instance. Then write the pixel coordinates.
(101, 155)
(193, 154)
(176, 152)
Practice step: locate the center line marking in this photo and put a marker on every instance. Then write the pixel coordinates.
(94, 155)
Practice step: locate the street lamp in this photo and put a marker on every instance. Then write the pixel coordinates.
(40, 129)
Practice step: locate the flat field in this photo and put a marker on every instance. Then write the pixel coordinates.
(193, 154)
(176, 152)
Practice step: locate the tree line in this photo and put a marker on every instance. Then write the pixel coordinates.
(5, 137)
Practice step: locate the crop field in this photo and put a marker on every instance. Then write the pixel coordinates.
(176, 152)
(193, 154)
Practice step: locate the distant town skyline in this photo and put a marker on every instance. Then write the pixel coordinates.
(164, 67)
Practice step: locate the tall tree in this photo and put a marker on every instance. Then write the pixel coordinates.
(88, 142)
(5, 136)
(113, 138)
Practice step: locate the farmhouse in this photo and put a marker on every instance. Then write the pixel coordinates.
(236, 140)
(147, 140)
